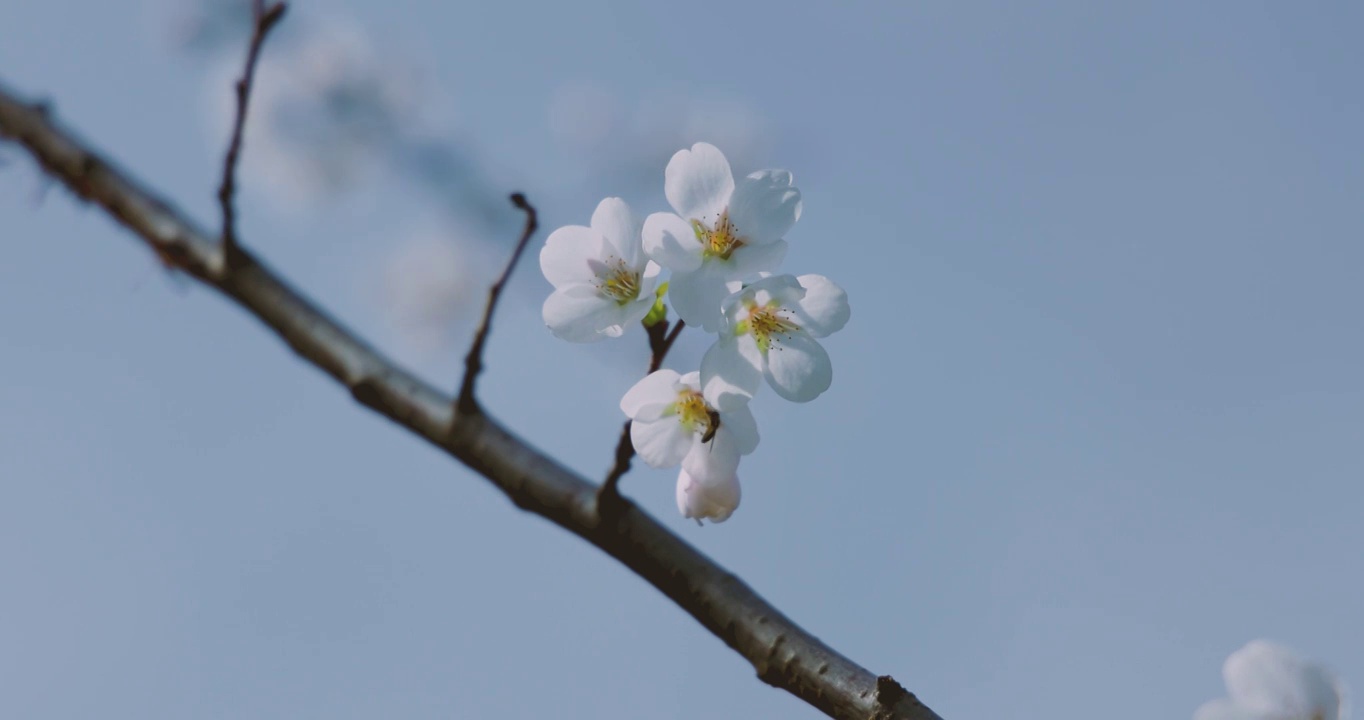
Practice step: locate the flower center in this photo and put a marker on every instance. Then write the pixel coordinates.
(617, 281)
(720, 241)
(765, 322)
(695, 415)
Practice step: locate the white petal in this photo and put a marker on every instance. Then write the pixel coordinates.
(764, 206)
(697, 297)
(754, 259)
(1269, 678)
(618, 225)
(698, 182)
(1224, 709)
(741, 427)
(731, 372)
(712, 499)
(797, 367)
(633, 312)
(712, 461)
(650, 412)
(691, 381)
(824, 309)
(785, 290)
(662, 442)
(564, 259)
(579, 313)
(659, 386)
(671, 242)
(732, 309)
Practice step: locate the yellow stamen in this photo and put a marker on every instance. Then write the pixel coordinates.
(618, 282)
(720, 241)
(765, 322)
(694, 414)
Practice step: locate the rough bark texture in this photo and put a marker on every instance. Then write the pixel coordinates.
(783, 654)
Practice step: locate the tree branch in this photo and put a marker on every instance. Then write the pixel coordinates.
(784, 654)
(264, 20)
(661, 349)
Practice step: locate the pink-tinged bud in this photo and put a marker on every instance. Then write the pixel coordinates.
(714, 499)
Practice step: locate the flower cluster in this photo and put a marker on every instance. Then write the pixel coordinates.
(1267, 681)
(721, 245)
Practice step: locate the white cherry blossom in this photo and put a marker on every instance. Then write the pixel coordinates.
(713, 498)
(671, 423)
(603, 281)
(769, 331)
(1266, 681)
(722, 230)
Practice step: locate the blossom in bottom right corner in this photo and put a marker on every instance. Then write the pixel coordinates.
(1266, 681)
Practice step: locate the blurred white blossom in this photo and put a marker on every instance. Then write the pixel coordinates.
(583, 115)
(432, 283)
(325, 112)
(204, 25)
(623, 142)
(1266, 681)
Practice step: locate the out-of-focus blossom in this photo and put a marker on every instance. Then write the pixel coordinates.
(430, 285)
(1266, 681)
(325, 112)
(621, 140)
(201, 25)
(583, 116)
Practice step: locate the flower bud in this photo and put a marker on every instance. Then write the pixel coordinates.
(712, 498)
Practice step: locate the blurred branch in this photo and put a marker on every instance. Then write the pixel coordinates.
(473, 362)
(660, 342)
(784, 654)
(660, 347)
(264, 19)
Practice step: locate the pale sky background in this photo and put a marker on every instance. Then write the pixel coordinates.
(1095, 423)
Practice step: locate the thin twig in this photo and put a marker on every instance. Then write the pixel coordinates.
(661, 351)
(625, 452)
(264, 19)
(660, 342)
(473, 362)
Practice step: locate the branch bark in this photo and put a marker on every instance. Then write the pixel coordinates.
(783, 654)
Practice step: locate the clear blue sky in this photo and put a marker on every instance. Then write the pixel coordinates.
(1095, 423)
